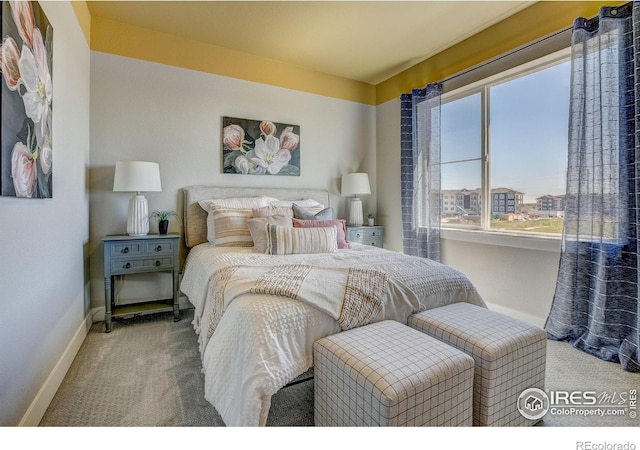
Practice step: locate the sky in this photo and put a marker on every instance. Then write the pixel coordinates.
(527, 135)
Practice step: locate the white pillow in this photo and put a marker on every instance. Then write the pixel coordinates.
(258, 230)
(270, 210)
(285, 241)
(303, 203)
(237, 202)
(232, 202)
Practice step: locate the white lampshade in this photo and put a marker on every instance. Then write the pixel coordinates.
(355, 184)
(137, 176)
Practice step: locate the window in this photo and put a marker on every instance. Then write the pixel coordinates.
(504, 149)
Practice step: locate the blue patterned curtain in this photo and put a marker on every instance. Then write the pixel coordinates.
(595, 306)
(420, 171)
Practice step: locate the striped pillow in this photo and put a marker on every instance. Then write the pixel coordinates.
(232, 202)
(288, 240)
(340, 224)
(259, 230)
(231, 228)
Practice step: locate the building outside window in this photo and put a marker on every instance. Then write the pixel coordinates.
(504, 149)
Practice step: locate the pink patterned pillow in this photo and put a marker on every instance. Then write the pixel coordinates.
(340, 224)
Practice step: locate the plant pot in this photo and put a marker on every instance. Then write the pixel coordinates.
(370, 222)
(163, 226)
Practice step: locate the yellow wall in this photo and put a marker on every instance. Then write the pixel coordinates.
(117, 38)
(84, 18)
(539, 20)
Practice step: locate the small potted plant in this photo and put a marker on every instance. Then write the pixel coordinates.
(370, 220)
(163, 219)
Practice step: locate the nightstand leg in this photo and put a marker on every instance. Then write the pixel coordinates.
(107, 305)
(176, 303)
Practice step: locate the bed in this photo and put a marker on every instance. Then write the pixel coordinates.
(255, 337)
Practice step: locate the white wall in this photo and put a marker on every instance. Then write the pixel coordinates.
(43, 244)
(148, 111)
(388, 176)
(513, 276)
(516, 281)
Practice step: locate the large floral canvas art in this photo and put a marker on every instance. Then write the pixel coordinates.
(260, 147)
(26, 101)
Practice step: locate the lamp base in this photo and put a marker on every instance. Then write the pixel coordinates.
(138, 220)
(355, 213)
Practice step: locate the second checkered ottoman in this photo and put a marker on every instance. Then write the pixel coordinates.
(509, 354)
(387, 374)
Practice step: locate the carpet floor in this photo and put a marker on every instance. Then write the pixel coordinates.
(147, 372)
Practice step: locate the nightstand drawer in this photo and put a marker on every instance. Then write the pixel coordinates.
(126, 248)
(122, 266)
(374, 242)
(158, 247)
(356, 235)
(368, 235)
(372, 233)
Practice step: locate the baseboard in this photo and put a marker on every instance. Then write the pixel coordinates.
(43, 398)
(530, 318)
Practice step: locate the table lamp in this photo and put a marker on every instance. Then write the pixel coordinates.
(355, 184)
(137, 177)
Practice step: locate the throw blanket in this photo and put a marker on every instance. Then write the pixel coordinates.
(352, 296)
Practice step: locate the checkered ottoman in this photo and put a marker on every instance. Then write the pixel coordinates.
(510, 356)
(387, 374)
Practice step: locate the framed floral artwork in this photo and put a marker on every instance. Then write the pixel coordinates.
(260, 147)
(26, 101)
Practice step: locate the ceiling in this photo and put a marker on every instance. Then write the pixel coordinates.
(368, 41)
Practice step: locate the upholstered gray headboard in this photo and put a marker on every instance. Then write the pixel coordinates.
(195, 218)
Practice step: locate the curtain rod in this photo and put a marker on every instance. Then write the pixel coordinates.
(531, 44)
(506, 55)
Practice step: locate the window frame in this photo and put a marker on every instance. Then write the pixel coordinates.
(483, 87)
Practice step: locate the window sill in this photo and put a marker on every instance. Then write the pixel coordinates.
(541, 242)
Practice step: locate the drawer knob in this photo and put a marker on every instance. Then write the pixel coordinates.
(125, 250)
(159, 248)
(127, 265)
(373, 234)
(158, 263)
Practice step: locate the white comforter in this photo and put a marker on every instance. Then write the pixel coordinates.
(262, 342)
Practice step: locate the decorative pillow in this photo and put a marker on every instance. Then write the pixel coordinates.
(267, 211)
(258, 230)
(237, 202)
(231, 228)
(303, 203)
(306, 214)
(340, 224)
(286, 241)
(232, 202)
